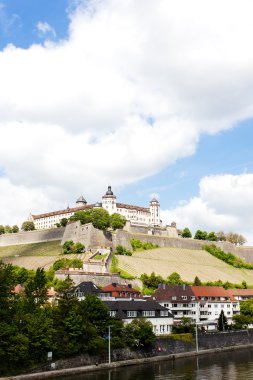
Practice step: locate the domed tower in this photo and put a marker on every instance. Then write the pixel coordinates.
(109, 201)
(154, 206)
(81, 202)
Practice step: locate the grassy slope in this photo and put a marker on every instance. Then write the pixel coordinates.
(32, 256)
(188, 263)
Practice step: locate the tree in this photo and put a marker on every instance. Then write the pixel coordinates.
(83, 216)
(186, 233)
(100, 218)
(8, 229)
(15, 229)
(117, 221)
(197, 281)
(174, 279)
(212, 236)
(2, 230)
(68, 247)
(64, 222)
(235, 238)
(28, 226)
(222, 322)
(78, 247)
(151, 281)
(139, 333)
(221, 236)
(246, 308)
(241, 321)
(200, 235)
(185, 326)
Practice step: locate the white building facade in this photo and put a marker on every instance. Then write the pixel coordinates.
(137, 215)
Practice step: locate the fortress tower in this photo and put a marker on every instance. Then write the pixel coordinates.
(154, 206)
(109, 201)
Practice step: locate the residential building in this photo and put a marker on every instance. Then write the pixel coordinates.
(241, 294)
(179, 299)
(214, 299)
(118, 291)
(137, 215)
(199, 303)
(127, 311)
(85, 288)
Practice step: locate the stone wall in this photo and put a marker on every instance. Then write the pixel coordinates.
(32, 236)
(87, 235)
(206, 341)
(99, 279)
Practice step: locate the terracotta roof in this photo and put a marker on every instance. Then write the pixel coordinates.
(119, 288)
(65, 211)
(166, 292)
(132, 207)
(211, 291)
(51, 292)
(241, 292)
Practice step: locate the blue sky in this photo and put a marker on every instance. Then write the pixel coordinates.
(82, 83)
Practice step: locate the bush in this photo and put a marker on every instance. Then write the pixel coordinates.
(70, 247)
(228, 258)
(120, 250)
(139, 245)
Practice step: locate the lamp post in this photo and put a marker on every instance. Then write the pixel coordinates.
(109, 344)
(196, 337)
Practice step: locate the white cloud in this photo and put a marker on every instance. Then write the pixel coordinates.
(75, 115)
(44, 29)
(223, 203)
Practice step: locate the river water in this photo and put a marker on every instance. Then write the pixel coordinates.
(237, 365)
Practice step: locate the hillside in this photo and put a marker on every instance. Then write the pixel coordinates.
(187, 262)
(32, 256)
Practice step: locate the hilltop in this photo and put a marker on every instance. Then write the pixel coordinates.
(187, 262)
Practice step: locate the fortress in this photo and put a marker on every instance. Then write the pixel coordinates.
(137, 215)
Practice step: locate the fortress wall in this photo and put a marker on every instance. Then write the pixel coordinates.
(98, 278)
(121, 237)
(246, 253)
(26, 237)
(87, 235)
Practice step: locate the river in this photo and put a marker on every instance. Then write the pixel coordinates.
(237, 365)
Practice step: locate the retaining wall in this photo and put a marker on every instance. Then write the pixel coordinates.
(98, 278)
(32, 236)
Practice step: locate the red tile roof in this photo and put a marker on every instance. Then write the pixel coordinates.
(241, 292)
(119, 288)
(60, 212)
(211, 291)
(132, 207)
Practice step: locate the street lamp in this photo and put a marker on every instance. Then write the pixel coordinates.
(109, 344)
(196, 337)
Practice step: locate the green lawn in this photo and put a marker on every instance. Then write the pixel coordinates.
(50, 248)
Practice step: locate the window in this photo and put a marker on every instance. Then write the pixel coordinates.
(164, 313)
(112, 313)
(192, 298)
(148, 313)
(132, 313)
(184, 298)
(174, 298)
(166, 305)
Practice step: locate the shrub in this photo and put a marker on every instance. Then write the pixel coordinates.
(120, 250)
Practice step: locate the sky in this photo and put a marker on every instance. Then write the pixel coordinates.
(152, 97)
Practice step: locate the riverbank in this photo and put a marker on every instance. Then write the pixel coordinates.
(125, 363)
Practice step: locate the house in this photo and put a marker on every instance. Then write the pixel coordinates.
(214, 299)
(179, 299)
(241, 294)
(84, 288)
(199, 303)
(115, 291)
(127, 311)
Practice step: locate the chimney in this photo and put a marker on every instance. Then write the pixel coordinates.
(130, 286)
(114, 284)
(183, 286)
